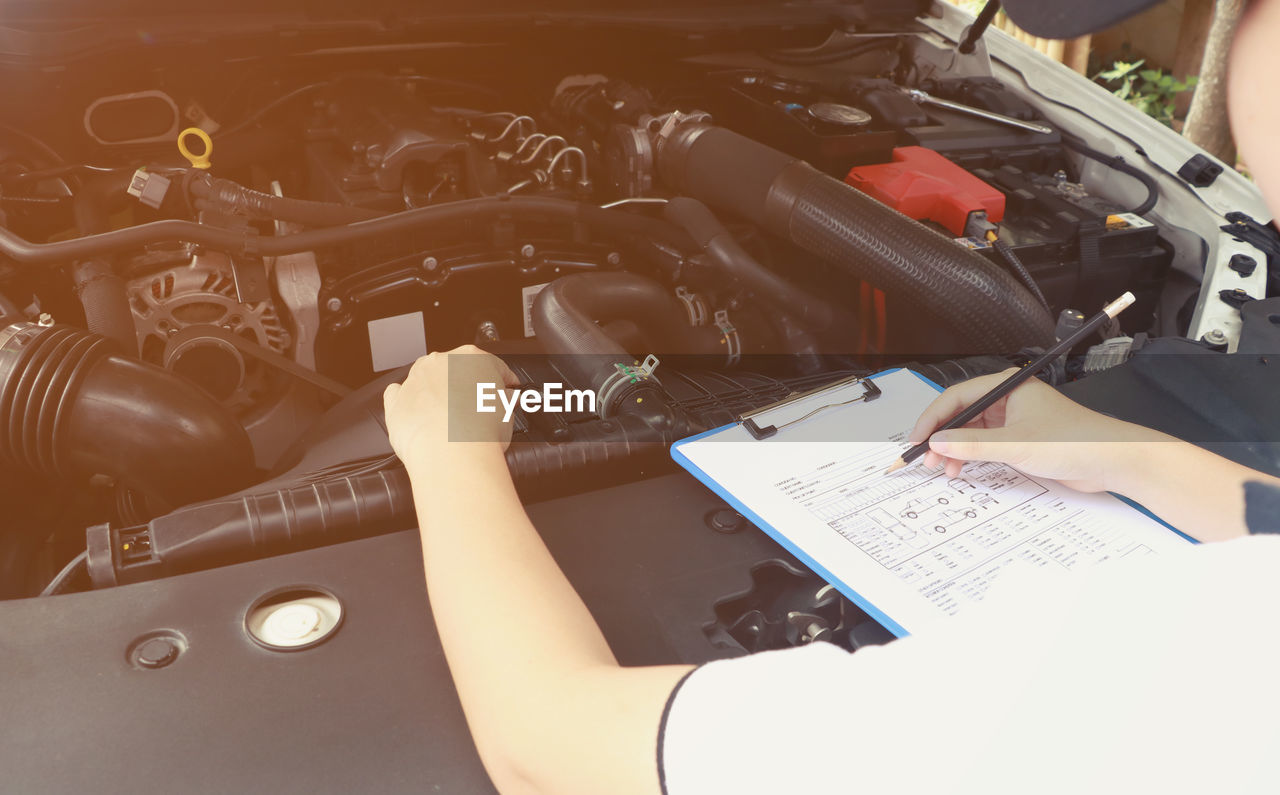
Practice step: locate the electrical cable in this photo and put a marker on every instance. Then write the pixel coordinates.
(64, 578)
(818, 55)
(1020, 270)
(1119, 164)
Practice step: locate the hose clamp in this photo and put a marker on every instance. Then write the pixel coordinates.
(623, 377)
(732, 342)
(694, 305)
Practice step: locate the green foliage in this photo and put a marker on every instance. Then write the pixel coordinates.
(1152, 91)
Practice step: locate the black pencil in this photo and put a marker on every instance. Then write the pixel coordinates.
(1009, 384)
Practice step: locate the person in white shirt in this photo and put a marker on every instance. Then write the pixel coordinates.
(1152, 675)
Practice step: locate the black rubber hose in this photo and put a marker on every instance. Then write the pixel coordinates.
(1118, 163)
(102, 291)
(1020, 270)
(251, 526)
(227, 196)
(711, 236)
(527, 208)
(71, 408)
(567, 312)
(601, 453)
(985, 307)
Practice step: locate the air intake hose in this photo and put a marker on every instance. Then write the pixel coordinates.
(69, 407)
(729, 255)
(248, 526)
(988, 311)
(565, 319)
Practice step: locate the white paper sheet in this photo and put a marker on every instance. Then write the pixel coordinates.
(916, 546)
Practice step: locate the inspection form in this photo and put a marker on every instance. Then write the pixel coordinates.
(916, 546)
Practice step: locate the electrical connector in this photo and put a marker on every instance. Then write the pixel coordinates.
(148, 188)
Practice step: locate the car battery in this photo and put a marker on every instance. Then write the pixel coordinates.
(1081, 249)
(924, 185)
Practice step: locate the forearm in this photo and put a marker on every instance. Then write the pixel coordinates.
(533, 672)
(1198, 492)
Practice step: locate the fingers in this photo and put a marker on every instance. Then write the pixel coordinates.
(970, 444)
(509, 378)
(389, 396)
(951, 402)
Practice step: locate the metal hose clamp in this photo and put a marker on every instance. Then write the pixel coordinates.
(732, 341)
(622, 377)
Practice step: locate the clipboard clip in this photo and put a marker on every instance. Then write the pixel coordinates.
(870, 392)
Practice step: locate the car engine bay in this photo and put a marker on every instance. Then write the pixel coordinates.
(194, 347)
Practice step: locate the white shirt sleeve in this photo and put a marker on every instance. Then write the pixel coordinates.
(1153, 675)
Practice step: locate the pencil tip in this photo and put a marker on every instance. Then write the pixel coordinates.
(895, 466)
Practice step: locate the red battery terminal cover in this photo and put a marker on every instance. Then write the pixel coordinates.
(924, 185)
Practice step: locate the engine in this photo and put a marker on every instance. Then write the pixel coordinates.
(196, 345)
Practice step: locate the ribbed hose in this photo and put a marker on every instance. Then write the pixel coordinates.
(251, 526)
(601, 454)
(985, 308)
(248, 526)
(69, 407)
(105, 300)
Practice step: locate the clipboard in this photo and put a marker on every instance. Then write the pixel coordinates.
(787, 418)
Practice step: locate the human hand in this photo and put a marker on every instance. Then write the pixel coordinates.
(1036, 429)
(437, 403)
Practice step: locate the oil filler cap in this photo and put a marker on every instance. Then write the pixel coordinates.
(293, 618)
(838, 115)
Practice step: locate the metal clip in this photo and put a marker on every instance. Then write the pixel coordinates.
(870, 393)
(732, 341)
(622, 376)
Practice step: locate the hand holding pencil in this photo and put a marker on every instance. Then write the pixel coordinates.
(1014, 418)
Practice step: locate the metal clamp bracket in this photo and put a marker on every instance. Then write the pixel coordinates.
(623, 376)
(870, 392)
(733, 352)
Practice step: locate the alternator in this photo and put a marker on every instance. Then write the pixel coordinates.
(172, 306)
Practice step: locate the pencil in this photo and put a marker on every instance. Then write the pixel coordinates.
(1009, 384)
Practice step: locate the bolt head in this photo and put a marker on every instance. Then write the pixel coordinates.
(527, 251)
(156, 653)
(430, 263)
(333, 304)
(1215, 336)
(614, 258)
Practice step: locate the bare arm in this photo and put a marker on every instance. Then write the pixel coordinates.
(549, 707)
(1045, 433)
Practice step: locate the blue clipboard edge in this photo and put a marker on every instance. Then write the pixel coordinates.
(786, 543)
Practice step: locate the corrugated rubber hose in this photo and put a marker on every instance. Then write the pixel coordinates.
(984, 307)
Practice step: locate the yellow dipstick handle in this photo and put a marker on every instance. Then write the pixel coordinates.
(201, 160)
